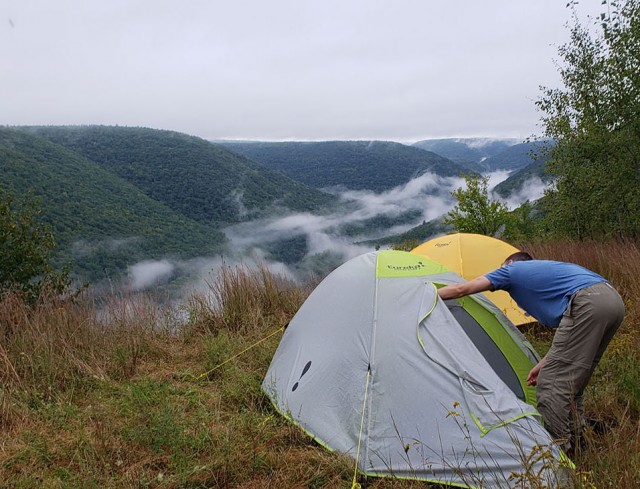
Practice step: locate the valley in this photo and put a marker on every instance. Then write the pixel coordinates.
(122, 200)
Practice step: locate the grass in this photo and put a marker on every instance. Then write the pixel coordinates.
(122, 394)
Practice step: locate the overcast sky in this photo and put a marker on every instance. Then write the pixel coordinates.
(400, 70)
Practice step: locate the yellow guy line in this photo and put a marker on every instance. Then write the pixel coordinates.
(354, 483)
(205, 374)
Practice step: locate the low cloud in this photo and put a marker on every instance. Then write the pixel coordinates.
(149, 273)
(531, 190)
(478, 143)
(496, 178)
(428, 196)
(428, 193)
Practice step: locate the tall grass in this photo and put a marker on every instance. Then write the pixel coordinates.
(242, 300)
(128, 394)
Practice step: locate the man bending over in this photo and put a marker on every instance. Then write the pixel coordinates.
(586, 312)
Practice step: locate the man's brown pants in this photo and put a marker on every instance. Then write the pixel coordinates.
(587, 326)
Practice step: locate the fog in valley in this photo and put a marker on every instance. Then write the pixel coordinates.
(426, 197)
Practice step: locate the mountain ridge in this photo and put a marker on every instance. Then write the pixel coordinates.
(356, 165)
(468, 152)
(195, 177)
(100, 221)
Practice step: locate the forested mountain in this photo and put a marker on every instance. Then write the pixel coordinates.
(201, 180)
(356, 165)
(468, 152)
(115, 196)
(524, 160)
(414, 236)
(516, 181)
(515, 157)
(101, 222)
(535, 156)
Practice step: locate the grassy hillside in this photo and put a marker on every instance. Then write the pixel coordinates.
(200, 180)
(131, 397)
(357, 165)
(101, 222)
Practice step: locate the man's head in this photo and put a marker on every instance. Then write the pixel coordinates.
(518, 256)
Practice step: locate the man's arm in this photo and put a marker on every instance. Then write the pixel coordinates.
(454, 291)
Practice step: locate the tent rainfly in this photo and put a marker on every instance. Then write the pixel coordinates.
(374, 365)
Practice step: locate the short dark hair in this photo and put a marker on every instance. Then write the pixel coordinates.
(519, 256)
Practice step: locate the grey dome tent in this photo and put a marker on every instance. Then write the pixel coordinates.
(374, 365)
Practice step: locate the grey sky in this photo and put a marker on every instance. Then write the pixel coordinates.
(399, 70)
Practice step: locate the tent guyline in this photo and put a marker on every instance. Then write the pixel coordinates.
(230, 359)
(354, 482)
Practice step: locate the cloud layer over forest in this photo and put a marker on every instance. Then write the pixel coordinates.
(427, 196)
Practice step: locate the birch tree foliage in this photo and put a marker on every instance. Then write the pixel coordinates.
(595, 120)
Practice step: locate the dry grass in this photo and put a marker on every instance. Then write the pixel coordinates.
(242, 300)
(114, 396)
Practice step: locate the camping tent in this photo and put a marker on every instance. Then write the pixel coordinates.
(471, 255)
(376, 366)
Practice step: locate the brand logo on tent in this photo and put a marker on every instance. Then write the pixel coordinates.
(439, 245)
(401, 268)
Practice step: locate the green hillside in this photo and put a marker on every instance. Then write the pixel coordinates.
(516, 181)
(101, 222)
(413, 237)
(356, 165)
(468, 152)
(200, 180)
(515, 157)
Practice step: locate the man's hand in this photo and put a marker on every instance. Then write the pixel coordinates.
(532, 378)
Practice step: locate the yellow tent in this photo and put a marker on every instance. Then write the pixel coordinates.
(472, 255)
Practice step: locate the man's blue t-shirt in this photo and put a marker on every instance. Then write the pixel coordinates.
(543, 288)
